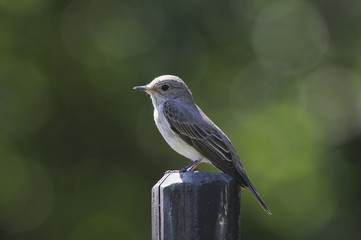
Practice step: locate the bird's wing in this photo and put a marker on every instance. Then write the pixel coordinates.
(199, 134)
(196, 131)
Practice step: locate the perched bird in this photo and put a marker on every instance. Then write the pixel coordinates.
(191, 133)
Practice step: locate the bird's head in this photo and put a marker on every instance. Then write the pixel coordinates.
(167, 87)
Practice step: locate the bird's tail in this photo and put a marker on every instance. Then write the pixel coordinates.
(252, 189)
(246, 183)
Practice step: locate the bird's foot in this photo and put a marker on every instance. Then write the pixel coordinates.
(191, 166)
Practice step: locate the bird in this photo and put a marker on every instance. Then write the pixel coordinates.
(191, 133)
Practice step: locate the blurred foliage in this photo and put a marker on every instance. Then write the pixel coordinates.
(79, 152)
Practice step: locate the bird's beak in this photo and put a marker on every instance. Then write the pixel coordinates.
(142, 88)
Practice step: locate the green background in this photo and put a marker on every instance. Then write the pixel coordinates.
(79, 151)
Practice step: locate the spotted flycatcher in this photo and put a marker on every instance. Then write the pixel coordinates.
(191, 133)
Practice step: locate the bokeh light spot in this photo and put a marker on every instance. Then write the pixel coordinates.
(75, 34)
(331, 95)
(13, 175)
(106, 204)
(26, 194)
(111, 28)
(252, 89)
(24, 97)
(290, 37)
(280, 147)
(125, 29)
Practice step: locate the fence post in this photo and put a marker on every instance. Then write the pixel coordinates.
(196, 205)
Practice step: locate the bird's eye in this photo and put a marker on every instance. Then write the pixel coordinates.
(165, 87)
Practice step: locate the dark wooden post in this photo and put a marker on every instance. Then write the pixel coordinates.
(197, 206)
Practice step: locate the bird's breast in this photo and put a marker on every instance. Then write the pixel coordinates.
(172, 138)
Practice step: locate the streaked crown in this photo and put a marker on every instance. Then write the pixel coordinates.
(169, 87)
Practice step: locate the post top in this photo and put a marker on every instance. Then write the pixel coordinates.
(195, 178)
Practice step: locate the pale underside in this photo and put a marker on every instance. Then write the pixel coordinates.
(174, 141)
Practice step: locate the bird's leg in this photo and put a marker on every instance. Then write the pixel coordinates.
(191, 166)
